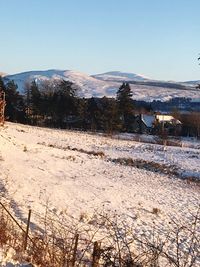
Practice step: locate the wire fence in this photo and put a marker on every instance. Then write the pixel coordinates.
(57, 244)
(106, 241)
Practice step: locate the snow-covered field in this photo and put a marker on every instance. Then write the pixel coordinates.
(42, 166)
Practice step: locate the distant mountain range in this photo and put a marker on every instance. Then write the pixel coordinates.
(106, 84)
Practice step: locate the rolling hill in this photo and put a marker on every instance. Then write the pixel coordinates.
(106, 84)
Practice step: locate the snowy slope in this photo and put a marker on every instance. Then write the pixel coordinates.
(107, 84)
(60, 172)
(120, 76)
(40, 167)
(89, 85)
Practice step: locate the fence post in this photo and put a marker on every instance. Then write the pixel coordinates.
(27, 230)
(96, 254)
(75, 250)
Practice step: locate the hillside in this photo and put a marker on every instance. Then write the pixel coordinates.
(82, 174)
(107, 84)
(120, 76)
(64, 168)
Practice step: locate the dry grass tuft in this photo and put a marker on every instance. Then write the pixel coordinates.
(156, 211)
(25, 149)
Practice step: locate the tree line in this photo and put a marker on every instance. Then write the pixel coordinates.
(58, 104)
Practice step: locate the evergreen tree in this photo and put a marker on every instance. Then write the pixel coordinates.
(65, 100)
(125, 105)
(94, 113)
(82, 112)
(15, 109)
(35, 98)
(110, 120)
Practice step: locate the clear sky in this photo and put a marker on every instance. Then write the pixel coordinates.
(157, 38)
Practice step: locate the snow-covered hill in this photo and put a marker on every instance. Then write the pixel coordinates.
(76, 173)
(89, 86)
(120, 76)
(107, 84)
(63, 169)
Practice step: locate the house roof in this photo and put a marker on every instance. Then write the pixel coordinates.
(148, 120)
(167, 118)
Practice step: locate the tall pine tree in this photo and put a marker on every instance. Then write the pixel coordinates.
(65, 101)
(125, 105)
(110, 120)
(15, 109)
(35, 98)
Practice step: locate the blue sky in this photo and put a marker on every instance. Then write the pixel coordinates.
(157, 38)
